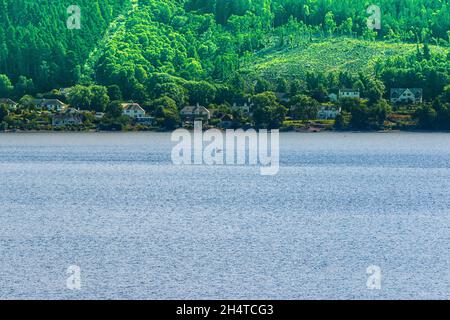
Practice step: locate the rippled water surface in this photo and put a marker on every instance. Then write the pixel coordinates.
(140, 227)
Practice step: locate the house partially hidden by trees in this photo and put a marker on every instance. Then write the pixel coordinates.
(133, 110)
(226, 122)
(328, 112)
(67, 119)
(148, 121)
(282, 97)
(11, 105)
(50, 105)
(333, 97)
(193, 113)
(349, 93)
(406, 95)
(241, 108)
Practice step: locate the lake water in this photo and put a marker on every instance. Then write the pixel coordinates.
(140, 227)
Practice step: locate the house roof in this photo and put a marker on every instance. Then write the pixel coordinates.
(397, 92)
(349, 90)
(240, 106)
(226, 117)
(194, 110)
(7, 101)
(282, 96)
(49, 102)
(67, 116)
(329, 108)
(132, 107)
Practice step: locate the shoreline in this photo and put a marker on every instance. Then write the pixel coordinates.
(169, 131)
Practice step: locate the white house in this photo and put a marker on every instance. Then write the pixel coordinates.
(50, 104)
(349, 93)
(406, 95)
(328, 112)
(66, 119)
(133, 110)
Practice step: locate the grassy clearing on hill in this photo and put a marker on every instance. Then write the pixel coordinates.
(333, 55)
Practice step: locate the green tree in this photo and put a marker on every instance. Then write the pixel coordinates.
(3, 112)
(380, 111)
(426, 117)
(446, 94)
(360, 117)
(262, 85)
(99, 98)
(23, 86)
(164, 102)
(330, 24)
(114, 93)
(27, 102)
(267, 112)
(80, 97)
(375, 90)
(200, 92)
(346, 28)
(339, 122)
(304, 107)
(114, 110)
(6, 86)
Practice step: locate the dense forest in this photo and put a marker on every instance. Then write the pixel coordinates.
(35, 42)
(201, 51)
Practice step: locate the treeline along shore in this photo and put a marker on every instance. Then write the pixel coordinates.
(115, 65)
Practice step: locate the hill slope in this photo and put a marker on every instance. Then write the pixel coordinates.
(332, 55)
(35, 41)
(205, 40)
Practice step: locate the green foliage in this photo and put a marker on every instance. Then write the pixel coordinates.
(267, 112)
(93, 98)
(167, 53)
(5, 86)
(339, 122)
(200, 92)
(446, 94)
(27, 101)
(114, 110)
(360, 117)
(80, 97)
(3, 112)
(23, 86)
(99, 98)
(114, 92)
(415, 71)
(304, 107)
(426, 117)
(36, 43)
(201, 40)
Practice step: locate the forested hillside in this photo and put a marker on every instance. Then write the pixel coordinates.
(221, 51)
(36, 43)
